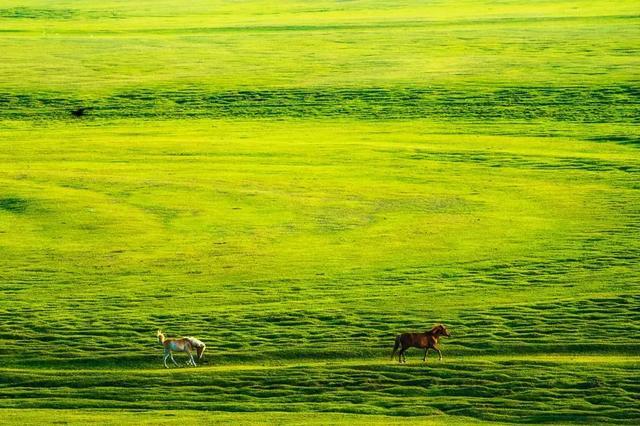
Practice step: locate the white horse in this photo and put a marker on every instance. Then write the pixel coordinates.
(183, 344)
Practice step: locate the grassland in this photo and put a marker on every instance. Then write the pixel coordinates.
(296, 183)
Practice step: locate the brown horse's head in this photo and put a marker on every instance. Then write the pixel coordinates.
(440, 330)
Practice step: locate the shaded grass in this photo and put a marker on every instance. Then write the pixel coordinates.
(530, 392)
(608, 104)
(33, 13)
(13, 204)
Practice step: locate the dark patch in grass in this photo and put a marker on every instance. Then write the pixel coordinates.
(14, 204)
(496, 159)
(621, 139)
(65, 14)
(408, 24)
(36, 13)
(572, 104)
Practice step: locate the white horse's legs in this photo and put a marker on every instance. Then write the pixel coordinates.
(185, 344)
(191, 361)
(174, 361)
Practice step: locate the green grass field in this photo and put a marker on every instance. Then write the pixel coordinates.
(297, 182)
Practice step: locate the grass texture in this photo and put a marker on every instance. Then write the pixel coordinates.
(295, 183)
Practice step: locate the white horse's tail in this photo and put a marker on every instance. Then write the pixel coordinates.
(198, 344)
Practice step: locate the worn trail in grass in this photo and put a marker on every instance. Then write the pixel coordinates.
(594, 389)
(172, 417)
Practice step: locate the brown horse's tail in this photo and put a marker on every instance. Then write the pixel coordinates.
(395, 346)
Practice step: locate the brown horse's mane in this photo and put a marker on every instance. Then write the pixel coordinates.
(433, 329)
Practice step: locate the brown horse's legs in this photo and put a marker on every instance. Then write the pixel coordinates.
(426, 351)
(401, 355)
(439, 353)
(396, 345)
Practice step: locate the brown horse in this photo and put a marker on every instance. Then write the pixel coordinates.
(427, 340)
